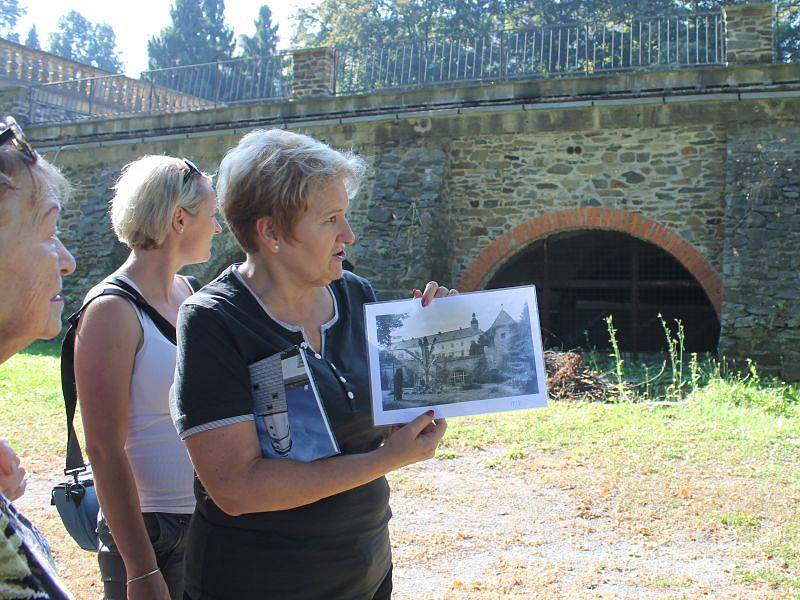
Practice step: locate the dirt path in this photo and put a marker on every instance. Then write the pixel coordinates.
(478, 527)
(462, 529)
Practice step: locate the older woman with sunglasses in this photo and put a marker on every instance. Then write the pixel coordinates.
(32, 263)
(164, 211)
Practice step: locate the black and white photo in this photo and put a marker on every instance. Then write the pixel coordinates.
(467, 354)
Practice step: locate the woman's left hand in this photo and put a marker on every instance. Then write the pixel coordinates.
(433, 290)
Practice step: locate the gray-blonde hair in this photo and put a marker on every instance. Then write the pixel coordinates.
(271, 173)
(13, 164)
(146, 195)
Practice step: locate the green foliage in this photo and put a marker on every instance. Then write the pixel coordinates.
(79, 39)
(739, 520)
(265, 40)
(198, 34)
(371, 22)
(617, 356)
(10, 13)
(32, 41)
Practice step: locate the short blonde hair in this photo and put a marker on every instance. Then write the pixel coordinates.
(271, 173)
(146, 195)
(12, 166)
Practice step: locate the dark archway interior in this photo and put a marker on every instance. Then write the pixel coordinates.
(582, 276)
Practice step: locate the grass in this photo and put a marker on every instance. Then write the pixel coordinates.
(722, 458)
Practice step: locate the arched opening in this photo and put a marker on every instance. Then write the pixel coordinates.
(583, 275)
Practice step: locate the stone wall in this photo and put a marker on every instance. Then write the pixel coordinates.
(460, 185)
(312, 72)
(761, 311)
(14, 102)
(749, 33)
(673, 176)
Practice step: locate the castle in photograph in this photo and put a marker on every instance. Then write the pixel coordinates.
(455, 359)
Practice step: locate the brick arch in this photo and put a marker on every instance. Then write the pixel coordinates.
(500, 250)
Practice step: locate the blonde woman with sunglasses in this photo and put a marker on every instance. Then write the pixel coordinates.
(164, 210)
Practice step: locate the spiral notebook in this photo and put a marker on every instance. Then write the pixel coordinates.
(290, 419)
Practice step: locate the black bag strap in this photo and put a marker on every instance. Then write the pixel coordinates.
(74, 460)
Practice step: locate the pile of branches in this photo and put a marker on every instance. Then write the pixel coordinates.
(568, 378)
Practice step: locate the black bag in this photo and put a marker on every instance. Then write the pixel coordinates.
(76, 498)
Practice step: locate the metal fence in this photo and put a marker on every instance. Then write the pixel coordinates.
(163, 90)
(585, 48)
(787, 31)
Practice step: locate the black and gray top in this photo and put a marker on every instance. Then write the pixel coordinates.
(27, 569)
(337, 547)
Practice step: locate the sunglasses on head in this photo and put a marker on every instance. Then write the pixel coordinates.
(191, 171)
(12, 132)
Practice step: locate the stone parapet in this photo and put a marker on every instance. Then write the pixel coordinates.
(312, 72)
(28, 66)
(749, 33)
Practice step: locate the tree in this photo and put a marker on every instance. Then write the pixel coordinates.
(425, 357)
(381, 22)
(386, 324)
(265, 40)
(367, 22)
(79, 39)
(198, 34)
(32, 41)
(10, 13)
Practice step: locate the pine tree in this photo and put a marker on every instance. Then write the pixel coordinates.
(265, 40)
(79, 39)
(32, 41)
(197, 34)
(10, 13)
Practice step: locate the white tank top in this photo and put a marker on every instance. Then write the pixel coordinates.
(158, 458)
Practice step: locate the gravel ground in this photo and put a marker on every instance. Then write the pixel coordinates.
(478, 526)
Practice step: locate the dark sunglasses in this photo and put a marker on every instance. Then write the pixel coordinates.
(191, 171)
(13, 133)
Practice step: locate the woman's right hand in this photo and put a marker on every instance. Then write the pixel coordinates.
(149, 588)
(414, 442)
(12, 476)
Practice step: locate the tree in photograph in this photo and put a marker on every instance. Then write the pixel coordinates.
(10, 13)
(80, 40)
(32, 41)
(425, 357)
(265, 40)
(197, 34)
(385, 325)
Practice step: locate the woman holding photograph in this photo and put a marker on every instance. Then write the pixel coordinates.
(269, 527)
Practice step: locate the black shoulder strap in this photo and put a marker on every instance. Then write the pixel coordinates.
(118, 287)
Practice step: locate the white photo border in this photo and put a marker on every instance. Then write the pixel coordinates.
(380, 416)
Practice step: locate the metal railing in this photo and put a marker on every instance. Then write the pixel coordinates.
(579, 49)
(787, 31)
(164, 90)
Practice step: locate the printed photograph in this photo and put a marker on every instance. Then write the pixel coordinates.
(468, 348)
(290, 419)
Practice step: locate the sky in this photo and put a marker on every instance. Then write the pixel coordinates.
(455, 313)
(136, 21)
